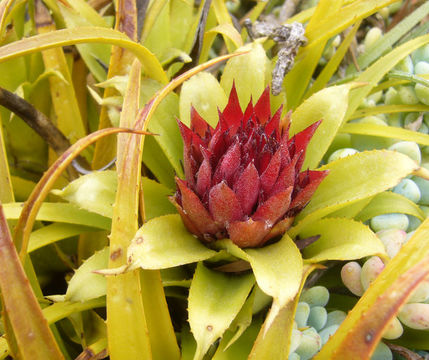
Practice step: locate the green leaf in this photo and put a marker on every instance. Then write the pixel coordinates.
(204, 93)
(156, 28)
(25, 323)
(6, 190)
(84, 15)
(351, 210)
(94, 192)
(382, 300)
(229, 33)
(342, 19)
(376, 71)
(61, 212)
(215, 299)
(274, 342)
(181, 22)
(340, 239)
(156, 199)
(248, 72)
(163, 123)
(61, 310)
(87, 34)
(390, 202)
(164, 242)
(52, 233)
(332, 66)
(85, 284)
(386, 131)
(242, 347)
(328, 105)
(354, 178)
(385, 43)
(241, 322)
(387, 109)
(155, 159)
(298, 79)
(277, 268)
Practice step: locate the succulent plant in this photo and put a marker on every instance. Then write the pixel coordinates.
(243, 178)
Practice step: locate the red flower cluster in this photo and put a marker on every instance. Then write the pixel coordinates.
(243, 179)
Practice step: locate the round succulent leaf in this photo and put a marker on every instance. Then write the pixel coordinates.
(328, 105)
(94, 192)
(382, 300)
(204, 93)
(164, 242)
(340, 239)
(353, 178)
(248, 72)
(85, 284)
(215, 299)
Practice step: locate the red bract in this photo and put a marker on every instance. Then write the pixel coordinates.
(243, 179)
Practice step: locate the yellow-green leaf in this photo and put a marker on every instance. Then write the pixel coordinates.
(390, 202)
(277, 268)
(354, 178)
(88, 34)
(328, 105)
(85, 284)
(61, 212)
(376, 71)
(215, 299)
(386, 131)
(164, 242)
(204, 93)
(362, 329)
(53, 233)
(340, 239)
(248, 72)
(94, 192)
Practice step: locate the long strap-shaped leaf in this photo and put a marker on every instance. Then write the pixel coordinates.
(119, 64)
(127, 330)
(30, 328)
(41, 190)
(88, 34)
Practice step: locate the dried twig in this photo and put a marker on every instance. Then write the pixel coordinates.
(289, 38)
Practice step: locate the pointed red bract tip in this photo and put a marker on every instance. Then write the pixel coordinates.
(262, 108)
(243, 178)
(232, 113)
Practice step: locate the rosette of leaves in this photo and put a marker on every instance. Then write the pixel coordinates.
(278, 268)
(243, 179)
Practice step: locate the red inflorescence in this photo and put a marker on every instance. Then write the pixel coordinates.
(243, 179)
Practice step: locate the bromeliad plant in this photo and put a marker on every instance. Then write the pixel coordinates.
(224, 269)
(243, 179)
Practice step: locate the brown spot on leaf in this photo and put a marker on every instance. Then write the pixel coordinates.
(116, 254)
(209, 328)
(139, 240)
